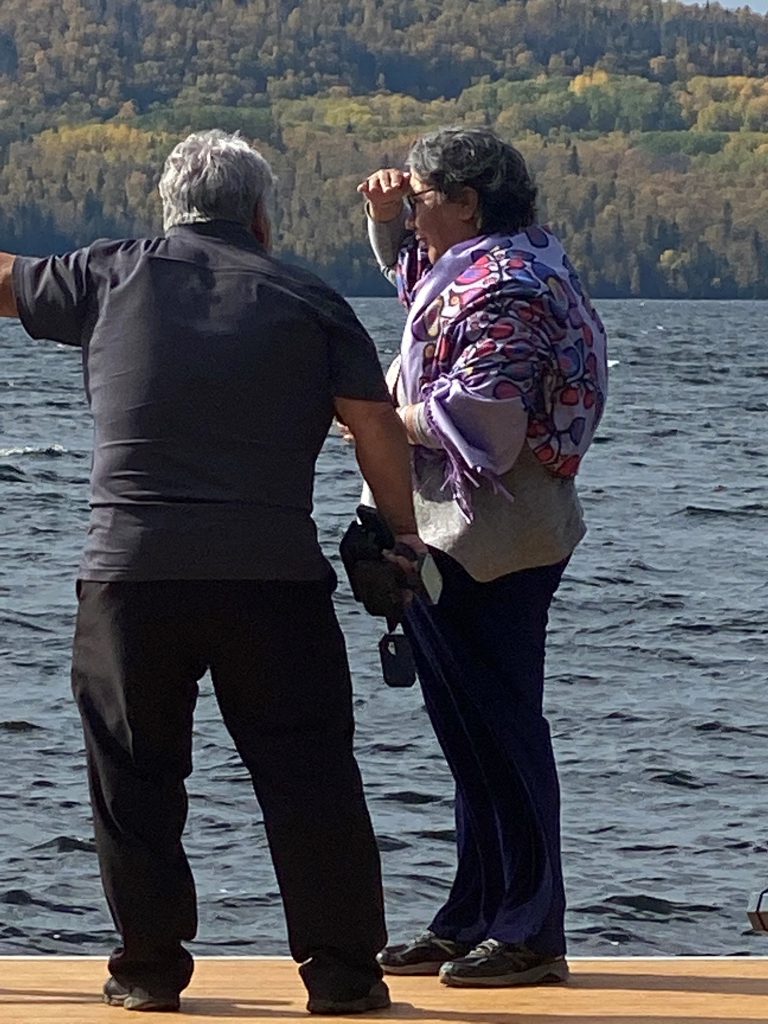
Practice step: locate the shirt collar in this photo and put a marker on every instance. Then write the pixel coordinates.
(227, 230)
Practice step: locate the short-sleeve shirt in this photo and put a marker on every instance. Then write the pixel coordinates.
(211, 371)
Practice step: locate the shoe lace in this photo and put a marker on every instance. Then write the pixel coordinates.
(488, 947)
(428, 938)
(515, 954)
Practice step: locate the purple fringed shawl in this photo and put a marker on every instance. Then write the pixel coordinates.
(503, 347)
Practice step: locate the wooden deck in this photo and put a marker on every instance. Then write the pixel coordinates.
(59, 990)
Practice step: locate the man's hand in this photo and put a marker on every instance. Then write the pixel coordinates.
(8, 305)
(384, 192)
(409, 552)
(408, 555)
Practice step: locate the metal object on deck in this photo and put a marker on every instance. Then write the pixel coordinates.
(757, 911)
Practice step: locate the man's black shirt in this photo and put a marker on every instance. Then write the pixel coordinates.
(211, 371)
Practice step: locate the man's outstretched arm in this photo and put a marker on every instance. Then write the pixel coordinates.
(8, 305)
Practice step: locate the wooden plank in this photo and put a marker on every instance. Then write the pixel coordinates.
(59, 990)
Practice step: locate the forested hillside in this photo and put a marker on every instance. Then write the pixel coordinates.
(646, 122)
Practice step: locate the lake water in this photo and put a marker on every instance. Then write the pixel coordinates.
(657, 668)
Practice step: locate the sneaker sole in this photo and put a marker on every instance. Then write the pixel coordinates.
(331, 1008)
(420, 968)
(551, 974)
(152, 1006)
(145, 1006)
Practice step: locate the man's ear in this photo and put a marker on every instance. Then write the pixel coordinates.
(261, 226)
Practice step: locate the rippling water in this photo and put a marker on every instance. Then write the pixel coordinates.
(656, 669)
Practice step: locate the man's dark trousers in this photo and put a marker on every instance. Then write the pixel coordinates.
(280, 673)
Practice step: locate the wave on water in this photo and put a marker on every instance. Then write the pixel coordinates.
(709, 511)
(51, 450)
(68, 844)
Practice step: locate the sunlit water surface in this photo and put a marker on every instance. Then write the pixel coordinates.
(656, 688)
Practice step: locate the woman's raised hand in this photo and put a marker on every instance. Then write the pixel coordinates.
(384, 192)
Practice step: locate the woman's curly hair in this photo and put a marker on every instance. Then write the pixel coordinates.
(452, 159)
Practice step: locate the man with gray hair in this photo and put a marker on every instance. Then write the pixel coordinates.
(213, 372)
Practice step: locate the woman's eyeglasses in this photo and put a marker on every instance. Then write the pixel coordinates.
(413, 196)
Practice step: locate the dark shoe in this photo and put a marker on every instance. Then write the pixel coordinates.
(423, 955)
(495, 963)
(336, 985)
(377, 998)
(137, 998)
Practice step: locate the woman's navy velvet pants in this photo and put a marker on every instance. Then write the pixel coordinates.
(480, 658)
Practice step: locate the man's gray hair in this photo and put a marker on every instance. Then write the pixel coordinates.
(214, 176)
(452, 159)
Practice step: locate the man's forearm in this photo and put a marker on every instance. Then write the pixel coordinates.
(383, 457)
(8, 305)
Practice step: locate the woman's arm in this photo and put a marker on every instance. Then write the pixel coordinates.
(477, 410)
(384, 193)
(402, 258)
(386, 239)
(417, 428)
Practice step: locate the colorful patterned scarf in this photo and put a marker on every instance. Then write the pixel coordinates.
(502, 346)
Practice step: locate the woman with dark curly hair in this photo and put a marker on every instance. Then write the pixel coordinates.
(501, 383)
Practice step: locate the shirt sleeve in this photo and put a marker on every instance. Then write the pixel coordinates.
(52, 296)
(386, 239)
(355, 370)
